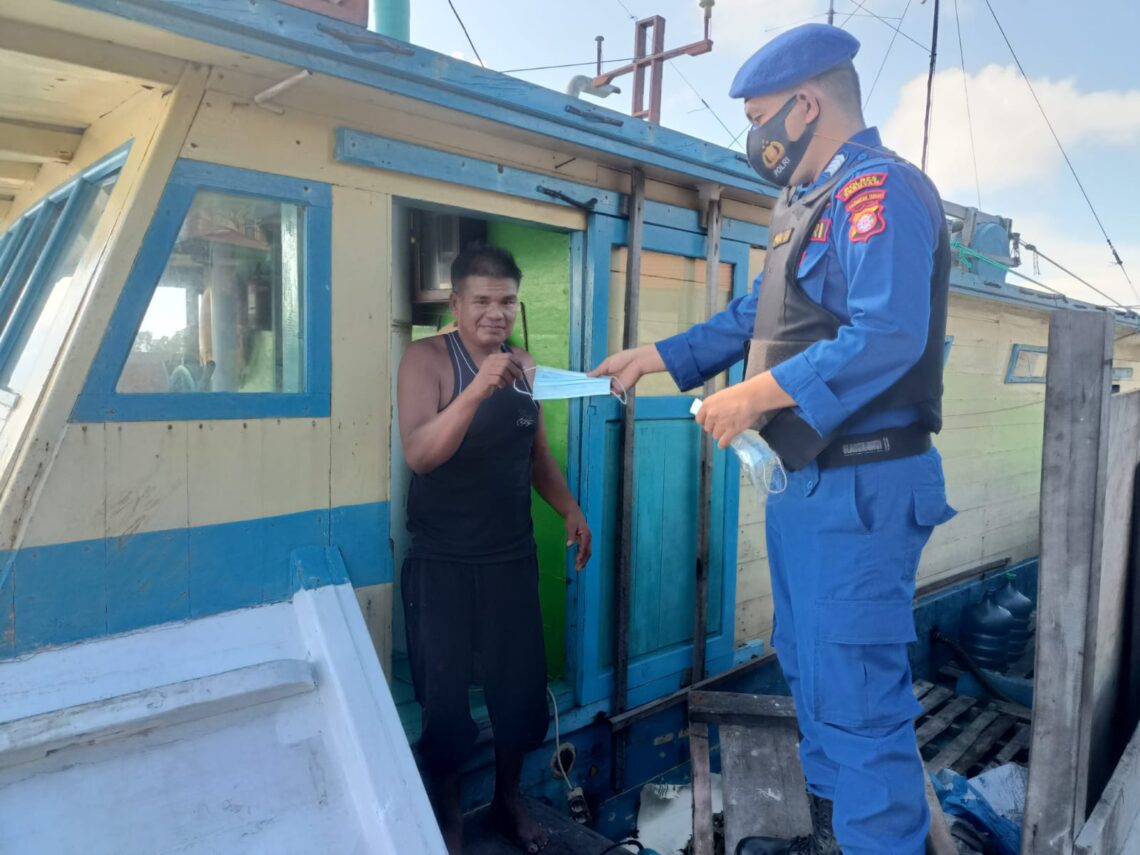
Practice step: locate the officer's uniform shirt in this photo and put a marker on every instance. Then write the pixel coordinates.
(869, 262)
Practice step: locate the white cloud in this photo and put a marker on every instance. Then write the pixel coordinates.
(1014, 146)
(740, 27)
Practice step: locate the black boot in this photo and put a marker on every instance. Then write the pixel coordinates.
(821, 841)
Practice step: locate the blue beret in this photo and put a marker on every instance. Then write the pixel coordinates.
(794, 56)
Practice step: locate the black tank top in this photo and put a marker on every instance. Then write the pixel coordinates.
(475, 508)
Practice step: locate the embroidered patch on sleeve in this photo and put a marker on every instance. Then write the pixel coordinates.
(822, 230)
(860, 183)
(867, 197)
(866, 222)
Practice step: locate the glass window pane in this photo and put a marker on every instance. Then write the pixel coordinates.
(1030, 365)
(227, 314)
(45, 328)
(18, 275)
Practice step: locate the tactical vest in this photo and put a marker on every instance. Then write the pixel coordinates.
(788, 321)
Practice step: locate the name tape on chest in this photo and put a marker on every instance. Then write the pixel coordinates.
(781, 238)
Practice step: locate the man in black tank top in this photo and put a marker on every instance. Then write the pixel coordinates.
(475, 441)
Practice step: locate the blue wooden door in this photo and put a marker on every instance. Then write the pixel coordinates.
(667, 465)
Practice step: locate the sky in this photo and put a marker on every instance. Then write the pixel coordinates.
(1080, 59)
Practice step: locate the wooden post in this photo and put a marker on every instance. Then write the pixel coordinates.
(623, 581)
(704, 500)
(1073, 474)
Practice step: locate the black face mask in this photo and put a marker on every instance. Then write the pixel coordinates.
(771, 153)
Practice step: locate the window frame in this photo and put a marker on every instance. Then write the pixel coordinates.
(101, 402)
(1017, 350)
(73, 197)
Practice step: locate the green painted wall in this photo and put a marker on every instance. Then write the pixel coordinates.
(544, 258)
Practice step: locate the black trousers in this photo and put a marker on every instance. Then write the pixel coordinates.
(455, 612)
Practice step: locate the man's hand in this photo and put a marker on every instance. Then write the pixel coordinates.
(577, 532)
(498, 371)
(628, 366)
(732, 410)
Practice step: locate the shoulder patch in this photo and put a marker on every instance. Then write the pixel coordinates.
(867, 197)
(860, 183)
(866, 222)
(822, 231)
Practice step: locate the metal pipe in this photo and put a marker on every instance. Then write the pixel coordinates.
(392, 18)
(623, 579)
(704, 501)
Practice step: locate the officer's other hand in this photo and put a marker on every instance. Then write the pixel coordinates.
(730, 412)
(578, 534)
(628, 366)
(498, 371)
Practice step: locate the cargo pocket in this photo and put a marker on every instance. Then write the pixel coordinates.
(930, 506)
(862, 673)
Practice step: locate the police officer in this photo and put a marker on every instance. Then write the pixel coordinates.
(845, 331)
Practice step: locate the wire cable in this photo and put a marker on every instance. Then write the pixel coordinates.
(592, 62)
(701, 97)
(861, 7)
(1115, 255)
(969, 113)
(1064, 269)
(463, 26)
(886, 56)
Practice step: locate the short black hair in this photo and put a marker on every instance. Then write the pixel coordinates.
(483, 260)
(842, 84)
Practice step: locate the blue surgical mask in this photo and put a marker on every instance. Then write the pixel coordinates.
(558, 384)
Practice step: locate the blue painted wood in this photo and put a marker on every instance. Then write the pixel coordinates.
(148, 580)
(372, 150)
(27, 302)
(662, 580)
(361, 533)
(39, 220)
(99, 400)
(292, 36)
(317, 566)
(62, 593)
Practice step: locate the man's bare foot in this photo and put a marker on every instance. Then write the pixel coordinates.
(517, 825)
(448, 813)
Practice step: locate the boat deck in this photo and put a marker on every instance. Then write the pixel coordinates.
(566, 836)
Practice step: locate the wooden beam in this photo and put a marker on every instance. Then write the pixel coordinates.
(1114, 815)
(37, 144)
(14, 174)
(702, 788)
(90, 53)
(1073, 475)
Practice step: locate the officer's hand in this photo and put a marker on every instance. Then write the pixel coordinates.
(578, 534)
(498, 371)
(628, 366)
(730, 412)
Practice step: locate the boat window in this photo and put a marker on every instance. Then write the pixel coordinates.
(1027, 363)
(226, 312)
(36, 235)
(946, 349)
(226, 315)
(41, 318)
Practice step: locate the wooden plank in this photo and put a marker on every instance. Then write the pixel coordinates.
(946, 758)
(31, 143)
(1074, 464)
(922, 688)
(1108, 594)
(934, 699)
(762, 781)
(946, 717)
(739, 708)
(1014, 747)
(702, 788)
(985, 741)
(567, 837)
(1118, 809)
